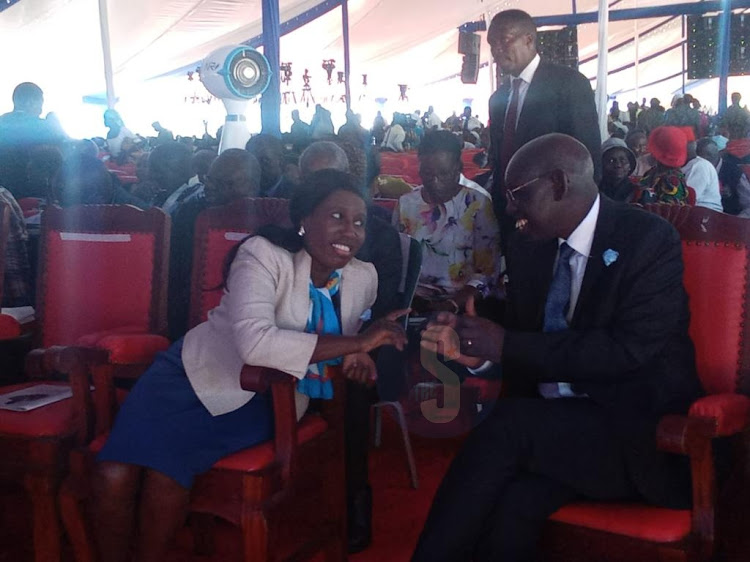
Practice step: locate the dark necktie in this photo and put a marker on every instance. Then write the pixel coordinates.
(556, 307)
(509, 126)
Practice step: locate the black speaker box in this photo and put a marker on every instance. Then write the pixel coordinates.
(470, 69)
(468, 43)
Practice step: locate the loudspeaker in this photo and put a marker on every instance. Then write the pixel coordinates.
(703, 46)
(468, 43)
(559, 46)
(470, 69)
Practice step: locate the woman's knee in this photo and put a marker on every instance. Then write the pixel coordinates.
(116, 477)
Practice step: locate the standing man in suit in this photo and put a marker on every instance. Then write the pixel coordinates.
(538, 98)
(594, 350)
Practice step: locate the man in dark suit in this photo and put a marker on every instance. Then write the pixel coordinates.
(594, 350)
(537, 98)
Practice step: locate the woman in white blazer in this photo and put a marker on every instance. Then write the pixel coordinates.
(294, 301)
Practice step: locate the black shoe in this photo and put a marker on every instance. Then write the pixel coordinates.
(359, 518)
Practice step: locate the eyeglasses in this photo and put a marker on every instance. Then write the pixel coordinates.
(509, 194)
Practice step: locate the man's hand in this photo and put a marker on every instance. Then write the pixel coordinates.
(441, 338)
(360, 367)
(463, 296)
(480, 337)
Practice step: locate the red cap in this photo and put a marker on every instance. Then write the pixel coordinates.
(669, 146)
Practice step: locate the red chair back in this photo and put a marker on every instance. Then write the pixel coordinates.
(4, 233)
(101, 268)
(716, 253)
(387, 204)
(217, 231)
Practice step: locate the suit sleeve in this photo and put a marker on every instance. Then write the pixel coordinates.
(253, 313)
(650, 311)
(579, 118)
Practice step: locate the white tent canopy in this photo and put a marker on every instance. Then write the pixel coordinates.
(154, 43)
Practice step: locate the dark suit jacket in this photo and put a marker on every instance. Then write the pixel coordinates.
(559, 100)
(627, 347)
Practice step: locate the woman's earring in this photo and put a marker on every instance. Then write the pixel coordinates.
(301, 231)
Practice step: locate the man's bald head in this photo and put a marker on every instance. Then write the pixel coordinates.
(554, 151)
(323, 155)
(234, 174)
(551, 185)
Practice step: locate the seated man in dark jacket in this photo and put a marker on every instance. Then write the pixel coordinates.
(594, 350)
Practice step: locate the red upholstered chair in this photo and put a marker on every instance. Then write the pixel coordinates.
(716, 250)
(387, 204)
(102, 288)
(286, 495)
(217, 231)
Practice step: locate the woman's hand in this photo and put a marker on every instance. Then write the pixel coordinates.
(360, 367)
(385, 331)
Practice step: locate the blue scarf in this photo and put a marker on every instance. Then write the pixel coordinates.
(322, 320)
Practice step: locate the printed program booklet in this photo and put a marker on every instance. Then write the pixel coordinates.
(34, 397)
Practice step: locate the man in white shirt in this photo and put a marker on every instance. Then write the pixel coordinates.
(394, 137)
(701, 175)
(431, 120)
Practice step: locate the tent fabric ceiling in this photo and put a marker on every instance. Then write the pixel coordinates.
(57, 43)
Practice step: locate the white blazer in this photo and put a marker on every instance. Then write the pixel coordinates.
(261, 320)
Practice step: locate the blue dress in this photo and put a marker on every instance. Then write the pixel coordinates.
(164, 426)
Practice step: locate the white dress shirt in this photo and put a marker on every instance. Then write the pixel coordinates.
(526, 76)
(580, 240)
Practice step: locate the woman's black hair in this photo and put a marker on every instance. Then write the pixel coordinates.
(306, 197)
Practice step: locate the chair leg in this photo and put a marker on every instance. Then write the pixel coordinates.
(74, 520)
(43, 493)
(203, 526)
(255, 537)
(335, 551)
(378, 424)
(407, 444)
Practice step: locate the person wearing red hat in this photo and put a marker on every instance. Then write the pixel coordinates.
(665, 182)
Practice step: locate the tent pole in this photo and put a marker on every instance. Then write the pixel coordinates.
(491, 62)
(636, 45)
(107, 53)
(601, 73)
(347, 67)
(725, 19)
(270, 101)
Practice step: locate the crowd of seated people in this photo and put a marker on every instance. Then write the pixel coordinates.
(346, 218)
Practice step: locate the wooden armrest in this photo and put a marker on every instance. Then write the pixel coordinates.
(692, 436)
(260, 379)
(71, 362)
(685, 435)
